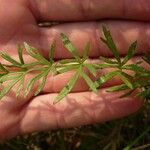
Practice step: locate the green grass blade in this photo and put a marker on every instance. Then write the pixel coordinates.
(117, 88)
(31, 51)
(110, 43)
(2, 68)
(105, 78)
(43, 82)
(146, 131)
(67, 61)
(86, 51)
(147, 58)
(20, 86)
(92, 69)
(9, 87)
(135, 68)
(125, 79)
(67, 43)
(108, 60)
(68, 87)
(10, 76)
(130, 53)
(105, 65)
(10, 59)
(89, 82)
(32, 82)
(67, 68)
(52, 52)
(20, 53)
(145, 94)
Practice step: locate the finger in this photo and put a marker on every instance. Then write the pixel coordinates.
(123, 33)
(74, 110)
(70, 10)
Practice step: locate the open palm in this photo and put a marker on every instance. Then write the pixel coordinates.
(19, 23)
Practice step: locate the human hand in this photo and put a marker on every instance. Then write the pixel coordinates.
(19, 23)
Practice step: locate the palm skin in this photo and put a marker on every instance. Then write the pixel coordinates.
(19, 23)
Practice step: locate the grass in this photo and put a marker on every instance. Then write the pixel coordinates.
(129, 133)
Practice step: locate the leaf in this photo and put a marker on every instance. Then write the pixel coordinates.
(68, 87)
(10, 76)
(67, 68)
(67, 43)
(20, 86)
(31, 51)
(105, 78)
(110, 43)
(126, 80)
(33, 80)
(10, 59)
(89, 82)
(52, 52)
(108, 60)
(67, 61)
(135, 68)
(91, 68)
(117, 88)
(131, 53)
(9, 87)
(2, 68)
(86, 51)
(145, 94)
(147, 58)
(31, 65)
(105, 65)
(20, 51)
(41, 86)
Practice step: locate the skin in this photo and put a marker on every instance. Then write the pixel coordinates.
(19, 22)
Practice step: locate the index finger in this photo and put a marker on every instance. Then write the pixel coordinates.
(79, 10)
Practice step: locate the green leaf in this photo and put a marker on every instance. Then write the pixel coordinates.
(86, 51)
(147, 58)
(10, 59)
(31, 65)
(67, 68)
(117, 88)
(108, 60)
(67, 43)
(126, 80)
(67, 61)
(10, 76)
(41, 86)
(145, 94)
(33, 53)
(131, 53)
(33, 80)
(9, 87)
(89, 82)
(52, 52)
(20, 53)
(105, 65)
(110, 43)
(91, 68)
(135, 68)
(105, 78)
(2, 68)
(68, 87)
(20, 86)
